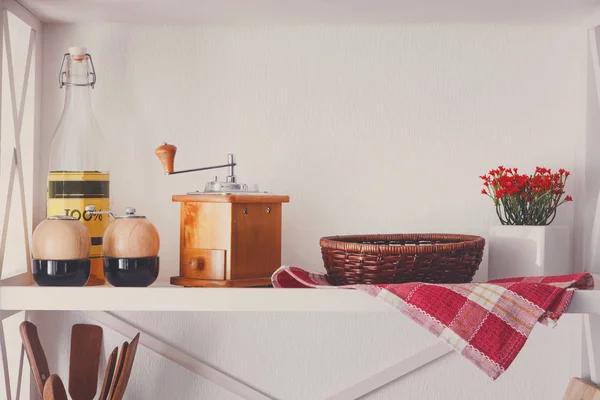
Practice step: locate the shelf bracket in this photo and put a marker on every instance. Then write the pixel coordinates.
(177, 356)
(396, 371)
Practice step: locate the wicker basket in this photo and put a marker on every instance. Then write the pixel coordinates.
(434, 258)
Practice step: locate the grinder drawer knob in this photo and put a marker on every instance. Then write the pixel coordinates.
(196, 263)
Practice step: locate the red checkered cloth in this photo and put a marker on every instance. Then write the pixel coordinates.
(488, 323)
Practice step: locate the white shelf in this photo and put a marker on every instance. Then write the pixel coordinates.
(173, 298)
(309, 11)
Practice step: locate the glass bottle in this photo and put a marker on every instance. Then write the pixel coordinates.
(79, 173)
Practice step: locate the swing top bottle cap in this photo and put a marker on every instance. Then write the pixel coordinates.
(77, 51)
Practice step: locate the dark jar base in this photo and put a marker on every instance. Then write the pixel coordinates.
(61, 272)
(131, 272)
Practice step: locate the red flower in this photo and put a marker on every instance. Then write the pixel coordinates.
(541, 192)
(542, 171)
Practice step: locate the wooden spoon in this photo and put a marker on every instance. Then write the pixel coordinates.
(86, 345)
(118, 370)
(108, 375)
(35, 354)
(127, 367)
(54, 389)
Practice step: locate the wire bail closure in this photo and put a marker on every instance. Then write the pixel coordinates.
(62, 74)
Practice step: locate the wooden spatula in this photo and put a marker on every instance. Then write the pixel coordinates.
(35, 354)
(118, 370)
(127, 366)
(108, 375)
(86, 345)
(54, 389)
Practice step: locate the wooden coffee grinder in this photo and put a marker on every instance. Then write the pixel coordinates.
(230, 233)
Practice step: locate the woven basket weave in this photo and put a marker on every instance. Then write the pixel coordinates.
(434, 258)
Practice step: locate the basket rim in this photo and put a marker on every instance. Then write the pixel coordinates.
(454, 242)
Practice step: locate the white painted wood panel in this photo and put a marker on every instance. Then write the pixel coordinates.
(355, 122)
(309, 11)
(317, 362)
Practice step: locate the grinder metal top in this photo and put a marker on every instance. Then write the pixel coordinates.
(166, 154)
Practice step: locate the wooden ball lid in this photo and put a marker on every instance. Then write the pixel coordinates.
(131, 236)
(61, 238)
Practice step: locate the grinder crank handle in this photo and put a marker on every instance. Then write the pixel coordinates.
(166, 154)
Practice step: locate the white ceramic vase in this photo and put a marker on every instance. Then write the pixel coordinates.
(521, 250)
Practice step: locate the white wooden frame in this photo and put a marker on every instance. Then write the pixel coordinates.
(588, 358)
(17, 101)
(590, 355)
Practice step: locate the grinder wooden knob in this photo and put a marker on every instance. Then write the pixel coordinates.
(61, 238)
(166, 155)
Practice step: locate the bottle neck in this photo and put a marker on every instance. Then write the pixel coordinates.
(77, 99)
(78, 87)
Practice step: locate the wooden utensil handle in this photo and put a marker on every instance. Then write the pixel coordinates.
(54, 389)
(84, 361)
(108, 375)
(166, 155)
(35, 354)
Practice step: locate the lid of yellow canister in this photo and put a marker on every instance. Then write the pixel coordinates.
(61, 238)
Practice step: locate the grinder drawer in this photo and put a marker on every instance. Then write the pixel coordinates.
(202, 263)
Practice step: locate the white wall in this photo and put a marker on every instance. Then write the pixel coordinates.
(368, 129)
